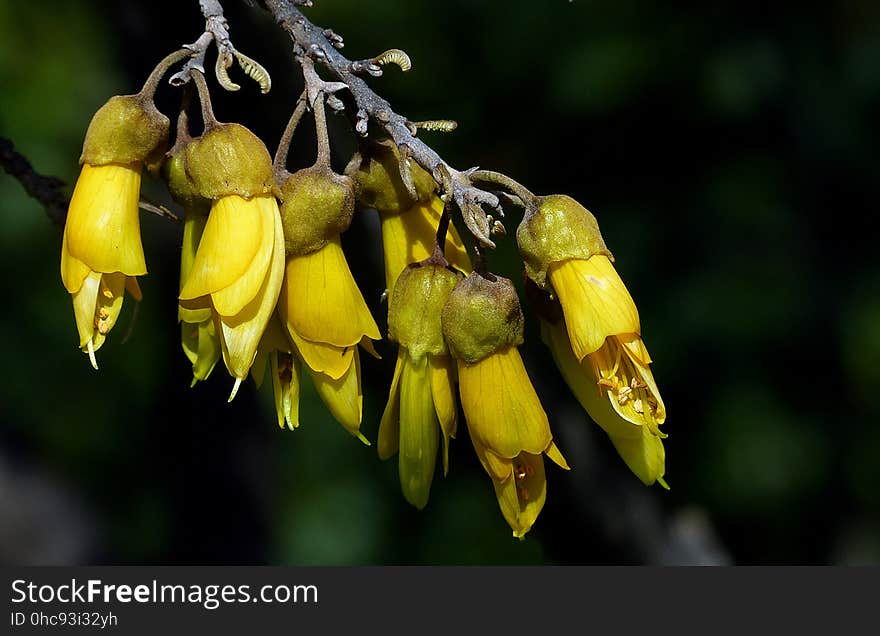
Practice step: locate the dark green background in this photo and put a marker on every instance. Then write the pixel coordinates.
(729, 152)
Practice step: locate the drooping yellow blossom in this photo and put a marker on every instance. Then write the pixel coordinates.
(483, 326)
(284, 367)
(566, 256)
(638, 446)
(101, 251)
(239, 264)
(409, 225)
(320, 305)
(421, 402)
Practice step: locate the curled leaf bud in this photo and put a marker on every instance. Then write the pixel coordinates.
(482, 316)
(229, 159)
(316, 205)
(416, 306)
(559, 229)
(126, 130)
(381, 185)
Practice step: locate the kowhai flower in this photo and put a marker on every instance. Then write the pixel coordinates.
(421, 403)
(101, 251)
(565, 255)
(239, 263)
(483, 326)
(284, 367)
(320, 305)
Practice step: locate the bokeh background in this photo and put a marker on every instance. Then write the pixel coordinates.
(728, 150)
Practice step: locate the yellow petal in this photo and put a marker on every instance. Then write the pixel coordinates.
(409, 237)
(641, 450)
(343, 397)
(111, 293)
(208, 351)
(419, 432)
(230, 300)
(132, 287)
(85, 302)
(102, 228)
(501, 407)
(442, 391)
(286, 371)
(231, 239)
(240, 334)
(322, 358)
(498, 468)
(193, 228)
(322, 302)
(388, 441)
(73, 271)
(594, 300)
(522, 496)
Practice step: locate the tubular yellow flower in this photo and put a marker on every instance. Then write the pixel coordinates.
(101, 251)
(320, 305)
(421, 403)
(482, 324)
(238, 268)
(640, 446)
(285, 368)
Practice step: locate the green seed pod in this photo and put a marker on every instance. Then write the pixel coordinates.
(316, 205)
(125, 130)
(414, 319)
(380, 185)
(560, 229)
(482, 316)
(229, 160)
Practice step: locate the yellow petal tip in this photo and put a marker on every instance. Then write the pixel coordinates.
(92, 356)
(361, 437)
(234, 389)
(663, 483)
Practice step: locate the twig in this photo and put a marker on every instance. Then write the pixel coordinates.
(45, 189)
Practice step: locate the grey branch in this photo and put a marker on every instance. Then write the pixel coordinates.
(314, 42)
(45, 189)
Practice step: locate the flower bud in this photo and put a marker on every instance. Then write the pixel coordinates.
(381, 186)
(416, 306)
(560, 229)
(229, 160)
(316, 205)
(481, 316)
(126, 130)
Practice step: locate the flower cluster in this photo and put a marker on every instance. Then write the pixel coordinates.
(265, 284)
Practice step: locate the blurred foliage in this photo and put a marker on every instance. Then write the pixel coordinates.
(729, 153)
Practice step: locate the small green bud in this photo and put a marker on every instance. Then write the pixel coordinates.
(126, 130)
(316, 205)
(381, 186)
(481, 316)
(560, 229)
(229, 159)
(414, 319)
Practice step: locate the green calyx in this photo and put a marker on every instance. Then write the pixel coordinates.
(126, 130)
(181, 187)
(228, 159)
(482, 316)
(316, 205)
(559, 229)
(380, 185)
(414, 317)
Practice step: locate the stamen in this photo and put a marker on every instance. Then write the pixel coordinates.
(234, 389)
(103, 313)
(519, 471)
(522, 493)
(530, 471)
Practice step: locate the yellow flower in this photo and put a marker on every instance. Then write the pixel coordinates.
(199, 337)
(408, 237)
(421, 402)
(101, 251)
(603, 355)
(237, 274)
(639, 446)
(483, 325)
(285, 369)
(326, 318)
